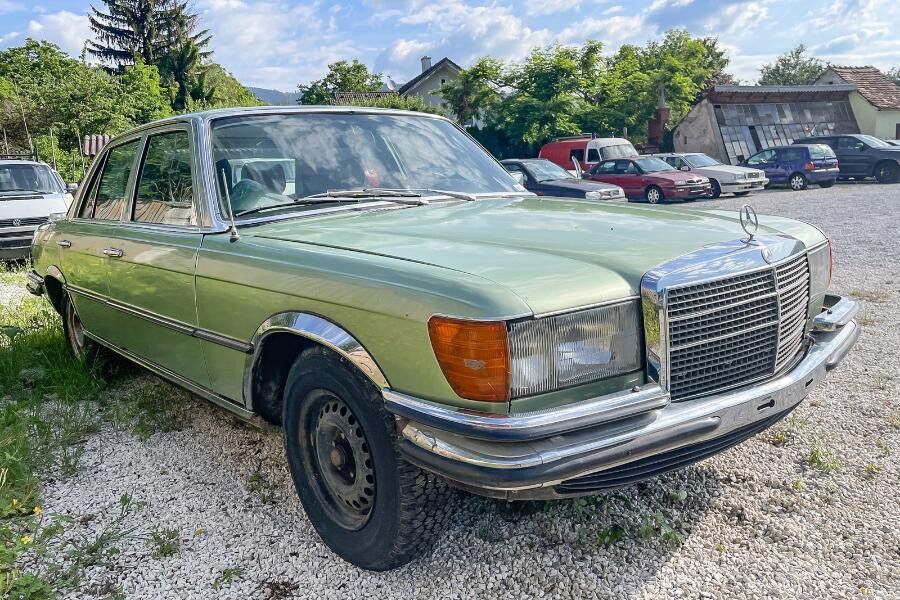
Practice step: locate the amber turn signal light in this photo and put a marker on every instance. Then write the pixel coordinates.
(474, 356)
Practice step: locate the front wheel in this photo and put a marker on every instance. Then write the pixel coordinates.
(369, 506)
(654, 195)
(715, 190)
(797, 182)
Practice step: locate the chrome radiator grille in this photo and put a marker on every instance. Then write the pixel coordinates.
(731, 331)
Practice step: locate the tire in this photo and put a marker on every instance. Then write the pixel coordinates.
(371, 507)
(797, 182)
(826, 184)
(715, 190)
(654, 195)
(741, 194)
(78, 344)
(886, 172)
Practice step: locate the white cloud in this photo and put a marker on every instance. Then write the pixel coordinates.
(8, 37)
(402, 50)
(67, 30)
(740, 16)
(273, 43)
(614, 10)
(8, 6)
(549, 7)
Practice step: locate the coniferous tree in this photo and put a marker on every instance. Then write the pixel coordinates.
(143, 30)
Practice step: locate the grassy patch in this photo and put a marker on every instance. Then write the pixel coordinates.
(823, 459)
(148, 405)
(226, 577)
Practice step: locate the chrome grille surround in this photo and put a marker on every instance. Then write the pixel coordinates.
(726, 315)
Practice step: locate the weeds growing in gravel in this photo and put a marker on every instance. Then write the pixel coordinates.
(869, 295)
(823, 459)
(893, 419)
(872, 470)
(228, 575)
(164, 542)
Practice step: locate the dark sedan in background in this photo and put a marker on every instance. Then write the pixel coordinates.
(545, 178)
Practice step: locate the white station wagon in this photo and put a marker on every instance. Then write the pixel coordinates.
(723, 179)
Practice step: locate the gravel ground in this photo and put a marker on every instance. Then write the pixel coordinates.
(757, 521)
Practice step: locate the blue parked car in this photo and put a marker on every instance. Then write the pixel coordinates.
(797, 165)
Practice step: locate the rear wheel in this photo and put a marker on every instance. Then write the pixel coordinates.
(370, 506)
(654, 195)
(797, 181)
(715, 190)
(80, 346)
(886, 172)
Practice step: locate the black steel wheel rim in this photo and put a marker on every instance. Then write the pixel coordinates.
(337, 460)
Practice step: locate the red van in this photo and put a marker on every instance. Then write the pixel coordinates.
(586, 149)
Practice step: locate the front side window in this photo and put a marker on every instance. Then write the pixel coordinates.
(593, 155)
(165, 189)
(873, 142)
(761, 157)
(849, 143)
(18, 178)
(109, 200)
(295, 162)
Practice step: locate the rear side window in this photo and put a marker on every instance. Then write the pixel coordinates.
(792, 154)
(820, 151)
(577, 154)
(165, 189)
(109, 198)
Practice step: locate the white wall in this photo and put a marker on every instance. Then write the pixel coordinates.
(428, 87)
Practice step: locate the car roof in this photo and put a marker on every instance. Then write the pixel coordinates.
(23, 162)
(527, 160)
(220, 113)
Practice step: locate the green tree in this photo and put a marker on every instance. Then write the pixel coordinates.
(794, 67)
(226, 91)
(894, 74)
(142, 30)
(341, 77)
(396, 101)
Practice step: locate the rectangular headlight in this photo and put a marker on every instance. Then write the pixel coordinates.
(564, 350)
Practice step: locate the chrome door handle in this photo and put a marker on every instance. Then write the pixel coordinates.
(64, 244)
(114, 252)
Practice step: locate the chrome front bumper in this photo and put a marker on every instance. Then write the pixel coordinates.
(536, 455)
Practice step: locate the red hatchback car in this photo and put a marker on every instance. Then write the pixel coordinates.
(650, 178)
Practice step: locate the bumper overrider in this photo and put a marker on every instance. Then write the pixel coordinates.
(615, 439)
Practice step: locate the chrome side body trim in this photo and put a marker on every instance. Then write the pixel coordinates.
(527, 426)
(507, 468)
(837, 312)
(712, 262)
(178, 380)
(185, 328)
(319, 330)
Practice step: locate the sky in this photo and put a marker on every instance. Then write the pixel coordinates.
(281, 43)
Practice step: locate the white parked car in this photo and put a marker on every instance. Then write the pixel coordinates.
(29, 193)
(723, 179)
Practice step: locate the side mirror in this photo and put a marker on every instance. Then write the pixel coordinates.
(684, 168)
(71, 187)
(519, 176)
(578, 172)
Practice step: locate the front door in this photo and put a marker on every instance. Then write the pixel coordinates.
(85, 240)
(765, 160)
(151, 277)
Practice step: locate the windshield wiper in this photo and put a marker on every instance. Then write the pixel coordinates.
(339, 196)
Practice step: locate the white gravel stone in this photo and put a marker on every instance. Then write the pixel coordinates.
(757, 521)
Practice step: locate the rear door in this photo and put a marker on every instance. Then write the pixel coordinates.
(852, 157)
(85, 239)
(151, 274)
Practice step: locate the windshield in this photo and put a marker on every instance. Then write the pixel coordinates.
(277, 160)
(651, 164)
(701, 160)
(618, 151)
(544, 170)
(18, 178)
(873, 141)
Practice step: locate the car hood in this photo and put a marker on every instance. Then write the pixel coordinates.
(553, 253)
(677, 176)
(23, 205)
(725, 169)
(578, 184)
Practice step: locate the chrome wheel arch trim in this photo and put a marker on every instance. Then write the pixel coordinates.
(317, 329)
(53, 271)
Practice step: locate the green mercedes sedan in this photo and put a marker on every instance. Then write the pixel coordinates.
(379, 286)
